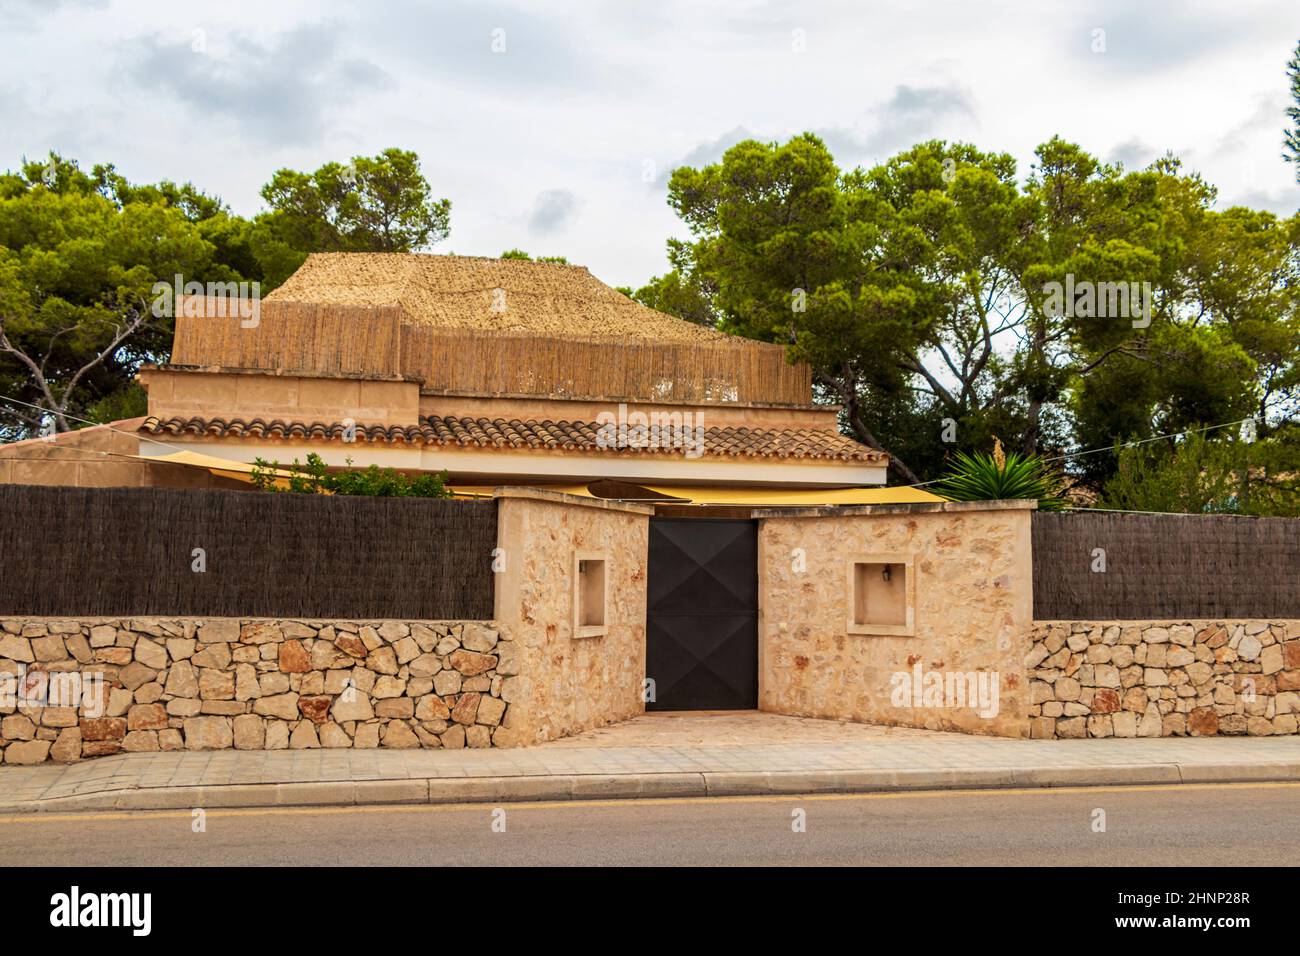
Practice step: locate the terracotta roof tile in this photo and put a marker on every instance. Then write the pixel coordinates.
(729, 441)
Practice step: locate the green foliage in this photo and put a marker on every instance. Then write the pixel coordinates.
(520, 254)
(919, 291)
(315, 478)
(885, 280)
(981, 476)
(371, 204)
(682, 294)
(1291, 136)
(129, 402)
(789, 250)
(1200, 474)
(194, 205)
(80, 253)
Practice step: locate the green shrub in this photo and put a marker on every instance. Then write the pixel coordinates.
(315, 478)
(1203, 475)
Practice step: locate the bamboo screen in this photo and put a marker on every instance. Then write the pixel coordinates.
(329, 340)
(1165, 566)
(518, 363)
(131, 551)
(376, 342)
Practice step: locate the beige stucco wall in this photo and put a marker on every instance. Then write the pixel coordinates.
(99, 457)
(567, 684)
(972, 578)
(218, 393)
(230, 393)
(185, 392)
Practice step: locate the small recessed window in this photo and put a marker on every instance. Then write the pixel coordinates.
(590, 595)
(880, 595)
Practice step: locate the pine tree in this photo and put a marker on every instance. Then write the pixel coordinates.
(1291, 138)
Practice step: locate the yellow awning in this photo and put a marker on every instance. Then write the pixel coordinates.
(752, 497)
(485, 491)
(795, 497)
(243, 471)
(225, 467)
(683, 494)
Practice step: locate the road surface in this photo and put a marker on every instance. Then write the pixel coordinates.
(1233, 825)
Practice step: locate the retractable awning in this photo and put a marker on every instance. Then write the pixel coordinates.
(622, 490)
(794, 497)
(224, 467)
(712, 495)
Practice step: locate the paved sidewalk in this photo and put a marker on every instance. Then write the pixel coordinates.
(654, 756)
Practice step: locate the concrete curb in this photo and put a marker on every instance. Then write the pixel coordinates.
(453, 790)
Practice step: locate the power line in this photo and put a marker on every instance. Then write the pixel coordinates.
(87, 421)
(1144, 441)
(71, 451)
(1168, 514)
(1129, 444)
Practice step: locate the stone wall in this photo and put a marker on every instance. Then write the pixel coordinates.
(972, 613)
(216, 683)
(568, 684)
(1164, 678)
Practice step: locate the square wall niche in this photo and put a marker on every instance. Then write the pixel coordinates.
(590, 594)
(881, 594)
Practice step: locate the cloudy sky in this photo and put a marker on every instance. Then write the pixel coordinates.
(552, 127)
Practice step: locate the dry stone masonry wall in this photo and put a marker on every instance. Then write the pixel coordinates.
(1164, 679)
(85, 688)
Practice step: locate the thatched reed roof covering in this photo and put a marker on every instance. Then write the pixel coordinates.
(500, 295)
(491, 434)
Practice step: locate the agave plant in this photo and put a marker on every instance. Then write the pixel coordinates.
(990, 477)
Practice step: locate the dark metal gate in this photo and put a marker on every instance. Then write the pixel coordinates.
(702, 614)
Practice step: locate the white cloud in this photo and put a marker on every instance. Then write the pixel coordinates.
(280, 93)
(589, 95)
(552, 212)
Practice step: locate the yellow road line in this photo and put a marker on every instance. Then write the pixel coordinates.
(13, 819)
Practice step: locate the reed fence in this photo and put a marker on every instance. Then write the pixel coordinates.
(1164, 566)
(377, 342)
(137, 551)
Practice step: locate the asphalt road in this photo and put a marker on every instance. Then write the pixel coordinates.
(1232, 825)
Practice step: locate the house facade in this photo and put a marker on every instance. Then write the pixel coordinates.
(496, 371)
(499, 372)
(669, 519)
(651, 478)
